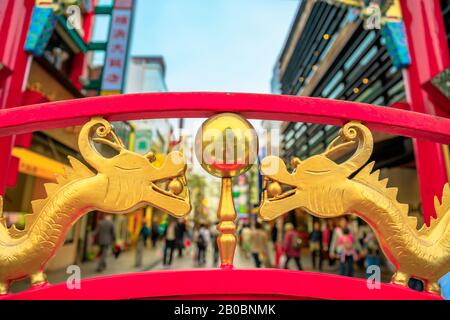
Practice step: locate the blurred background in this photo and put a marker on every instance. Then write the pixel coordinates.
(339, 49)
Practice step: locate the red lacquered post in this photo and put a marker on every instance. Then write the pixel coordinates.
(428, 47)
(13, 28)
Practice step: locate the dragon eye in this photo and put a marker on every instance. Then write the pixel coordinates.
(175, 186)
(274, 189)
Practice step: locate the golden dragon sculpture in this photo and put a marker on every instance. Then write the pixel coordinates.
(117, 184)
(327, 189)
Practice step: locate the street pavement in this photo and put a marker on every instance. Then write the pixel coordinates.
(152, 260)
(125, 263)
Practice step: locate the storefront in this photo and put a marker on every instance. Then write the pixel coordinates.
(35, 171)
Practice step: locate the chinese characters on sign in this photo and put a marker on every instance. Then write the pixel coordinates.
(116, 55)
(124, 4)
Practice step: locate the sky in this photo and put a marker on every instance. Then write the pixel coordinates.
(214, 45)
(211, 45)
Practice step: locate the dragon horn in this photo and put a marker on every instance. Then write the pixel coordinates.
(103, 130)
(355, 131)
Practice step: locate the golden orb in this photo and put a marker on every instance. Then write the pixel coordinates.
(274, 189)
(226, 145)
(175, 186)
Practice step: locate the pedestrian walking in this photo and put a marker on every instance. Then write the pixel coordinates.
(141, 244)
(170, 242)
(106, 237)
(335, 246)
(203, 238)
(155, 234)
(292, 245)
(348, 253)
(315, 245)
(372, 252)
(258, 245)
(180, 231)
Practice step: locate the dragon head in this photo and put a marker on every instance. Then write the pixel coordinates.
(285, 191)
(132, 180)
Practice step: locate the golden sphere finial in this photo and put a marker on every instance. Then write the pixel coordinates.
(226, 145)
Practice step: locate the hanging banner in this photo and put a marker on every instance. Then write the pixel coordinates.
(42, 25)
(116, 53)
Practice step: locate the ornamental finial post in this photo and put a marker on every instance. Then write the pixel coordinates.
(226, 146)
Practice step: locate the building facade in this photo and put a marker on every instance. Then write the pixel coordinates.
(47, 62)
(332, 52)
(45, 55)
(147, 74)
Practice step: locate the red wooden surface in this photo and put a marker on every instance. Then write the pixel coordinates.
(15, 16)
(33, 97)
(223, 284)
(430, 57)
(253, 106)
(427, 42)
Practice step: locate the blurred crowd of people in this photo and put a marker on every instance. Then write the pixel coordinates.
(177, 236)
(335, 242)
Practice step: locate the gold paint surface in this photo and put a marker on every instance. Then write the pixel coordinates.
(328, 189)
(226, 146)
(226, 214)
(123, 181)
(119, 183)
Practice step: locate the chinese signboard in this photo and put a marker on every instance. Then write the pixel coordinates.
(125, 4)
(116, 55)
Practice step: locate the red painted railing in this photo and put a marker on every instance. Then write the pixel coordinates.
(194, 105)
(223, 283)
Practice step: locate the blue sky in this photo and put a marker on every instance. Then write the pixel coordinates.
(211, 45)
(214, 45)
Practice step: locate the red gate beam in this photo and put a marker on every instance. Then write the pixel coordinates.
(193, 105)
(427, 42)
(223, 284)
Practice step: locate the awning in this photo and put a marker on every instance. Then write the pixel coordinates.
(37, 165)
